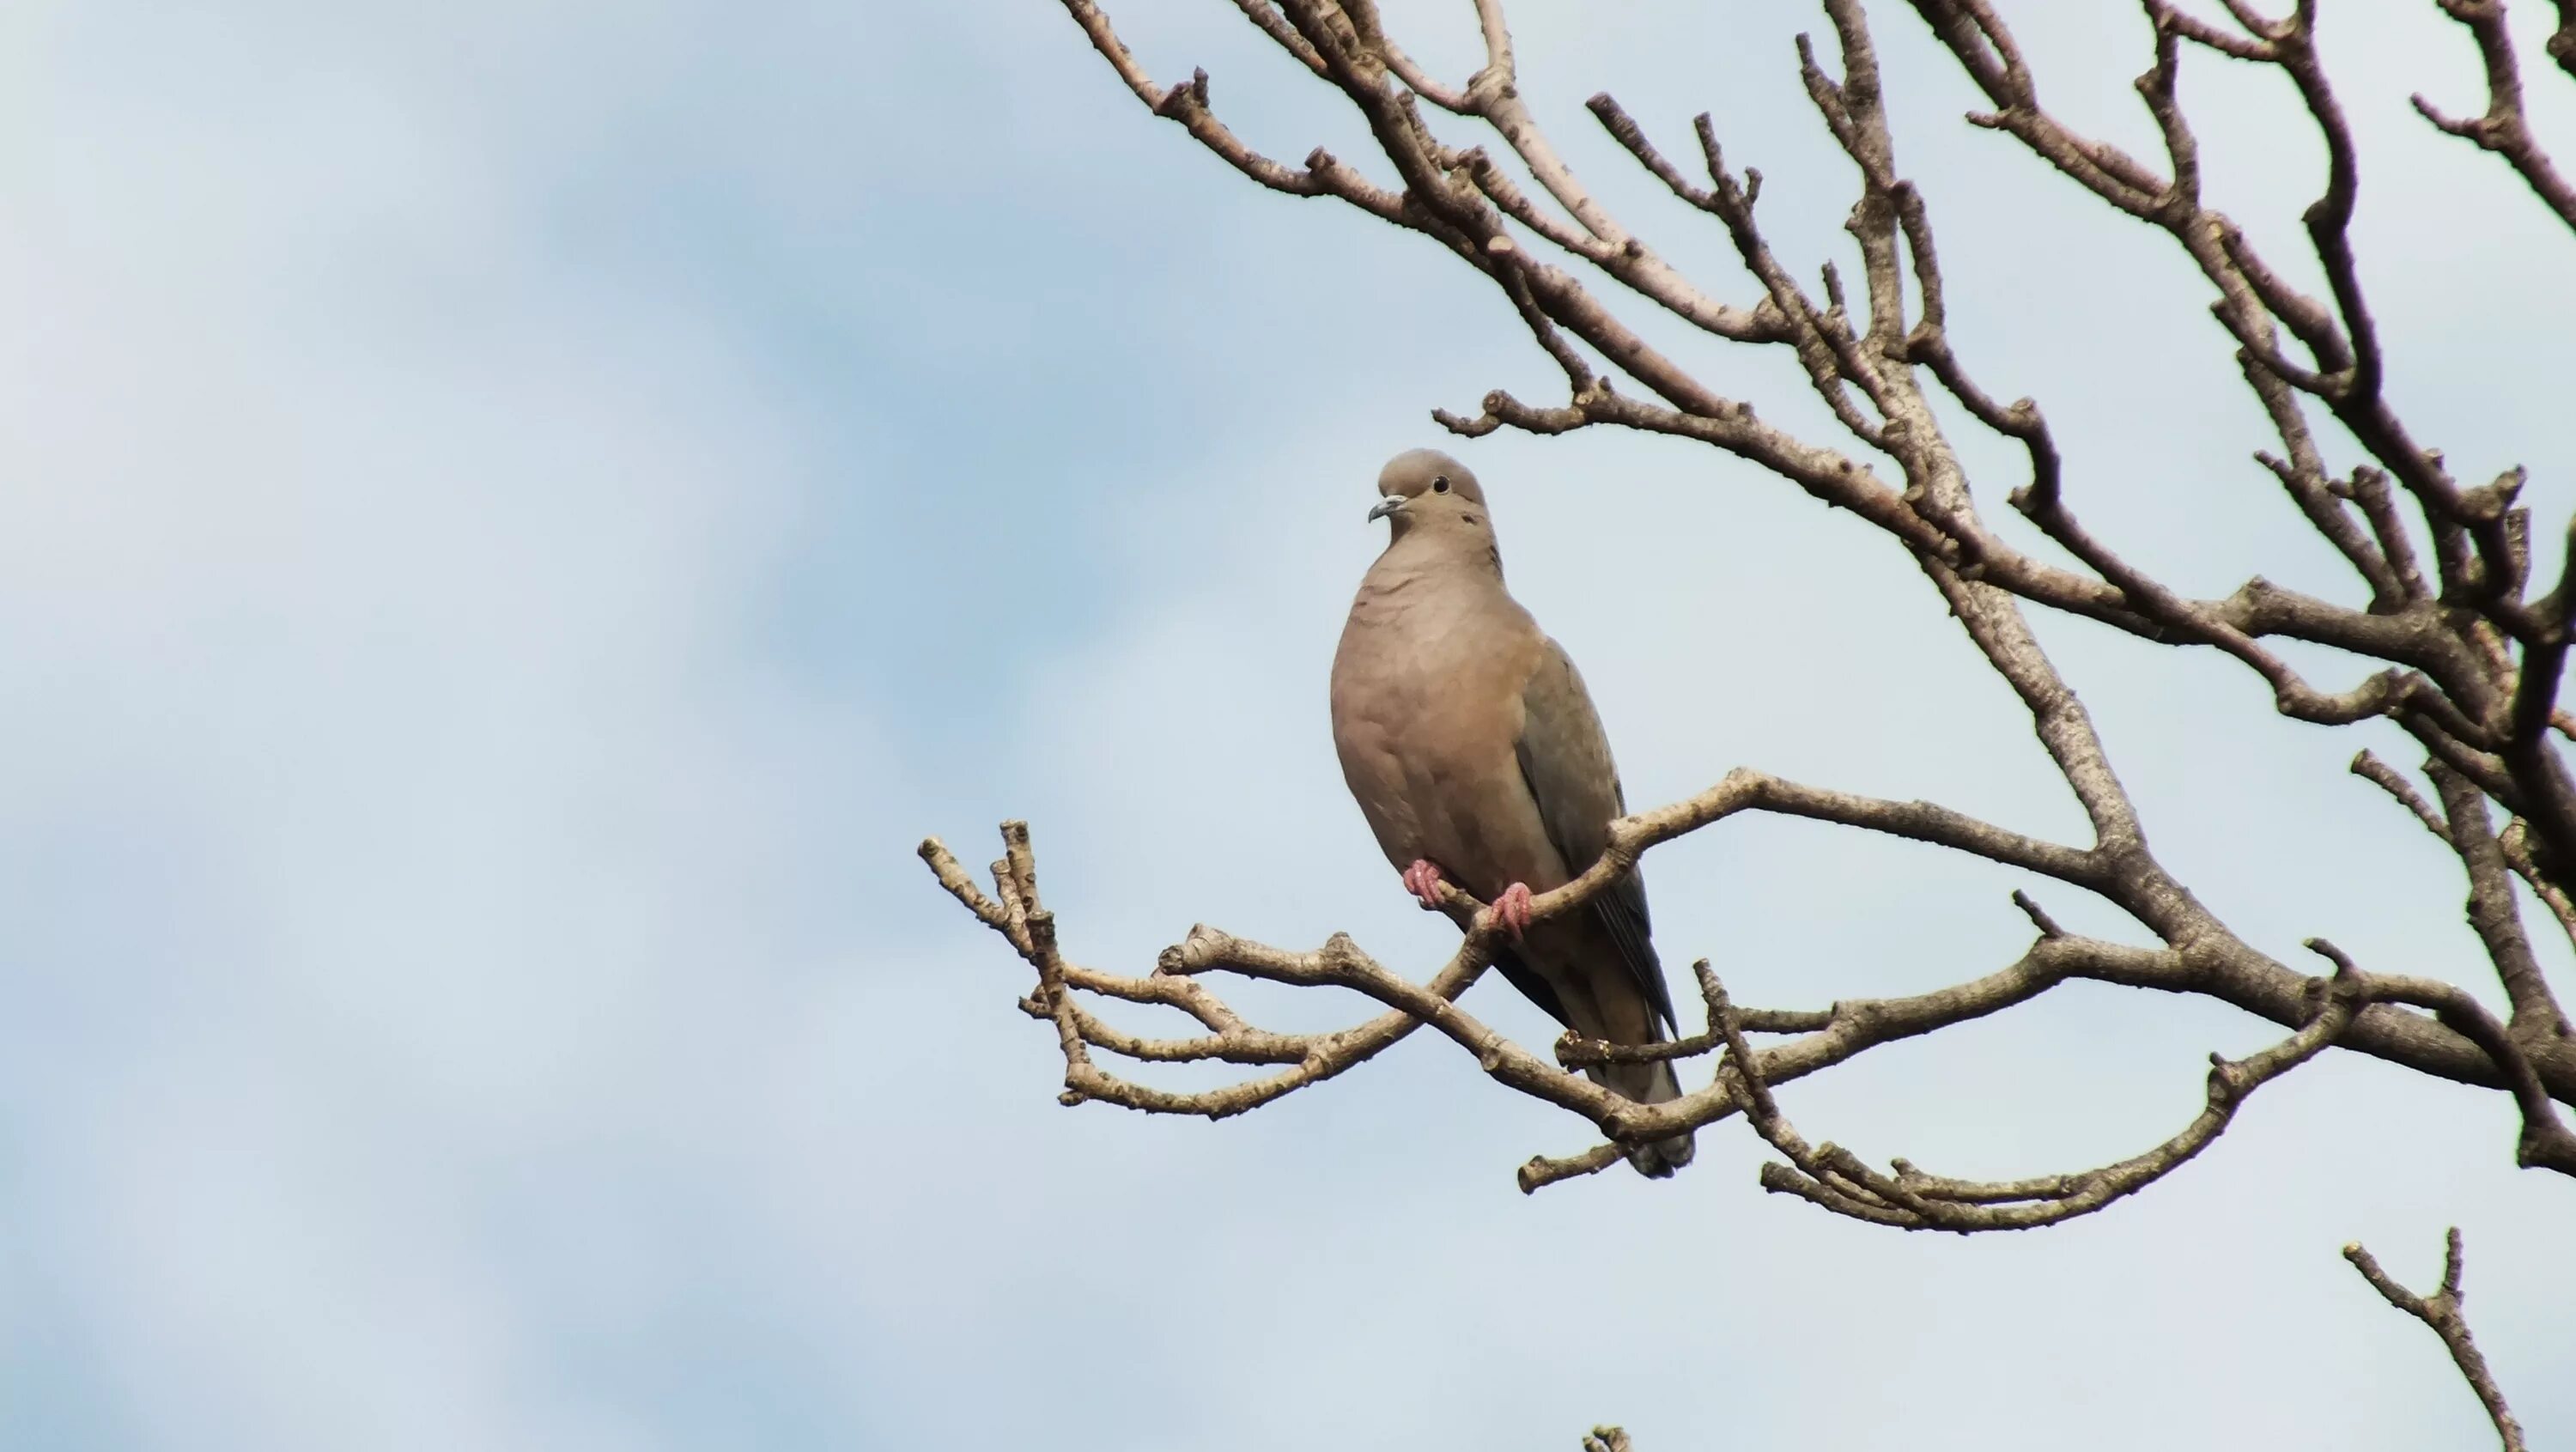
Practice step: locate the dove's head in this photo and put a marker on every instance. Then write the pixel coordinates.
(1424, 491)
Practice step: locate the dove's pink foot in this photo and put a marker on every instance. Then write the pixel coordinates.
(1422, 879)
(1513, 908)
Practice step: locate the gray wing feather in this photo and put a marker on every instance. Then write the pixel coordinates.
(1565, 759)
(1531, 984)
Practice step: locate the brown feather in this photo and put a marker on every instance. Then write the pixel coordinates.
(1467, 738)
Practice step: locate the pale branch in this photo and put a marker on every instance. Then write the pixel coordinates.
(2367, 488)
(2473, 529)
(2545, 1141)
(1835, 1179)
(2460, 657)
(1575, 1051)
(2454, 648)
(2493, 914)
(2065, 730)
(2505, 128)
(1553, 301)
(2441, 1312)
(1493, 95)
(2379, 695)
(2515, 841)
(2150, 610)
(1542, 1171)
(1187, 104)
(2380, 774)
(1014, 912)
(2461, 1041)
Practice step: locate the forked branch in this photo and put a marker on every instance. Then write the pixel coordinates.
(2441, 1312)
(2456, 635)
(2466, 660)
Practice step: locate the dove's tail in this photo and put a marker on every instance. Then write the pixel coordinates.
(1649, 1084)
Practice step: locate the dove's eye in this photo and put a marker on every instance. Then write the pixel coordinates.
(1439, 483)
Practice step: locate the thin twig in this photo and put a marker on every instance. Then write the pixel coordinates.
(2441, 650)
(2441, 1312)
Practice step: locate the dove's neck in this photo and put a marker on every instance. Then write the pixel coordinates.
(1454, 556)
(1425, 580)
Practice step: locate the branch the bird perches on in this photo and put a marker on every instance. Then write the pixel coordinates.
(2458, 645)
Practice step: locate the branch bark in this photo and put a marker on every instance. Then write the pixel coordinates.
(2452, 643)
(2441, 1312)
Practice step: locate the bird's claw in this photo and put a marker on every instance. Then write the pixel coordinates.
(1422, 879)
(1512, 909)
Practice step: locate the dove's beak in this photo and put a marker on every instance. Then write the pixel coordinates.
(1389, 505)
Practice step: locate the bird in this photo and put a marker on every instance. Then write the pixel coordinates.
(1474, 751)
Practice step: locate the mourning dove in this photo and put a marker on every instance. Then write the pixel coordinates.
(1476, 755)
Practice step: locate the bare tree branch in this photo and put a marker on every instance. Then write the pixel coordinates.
(2380, 774)
(2461, 1038)
(2493, 914)
(2441, 1312)
(2473, 530)
(2445, 647)
(2448, 640)
(2504, 129)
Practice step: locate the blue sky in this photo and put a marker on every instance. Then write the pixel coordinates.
(517, 518)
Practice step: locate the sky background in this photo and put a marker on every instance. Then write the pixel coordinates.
(515, 518)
